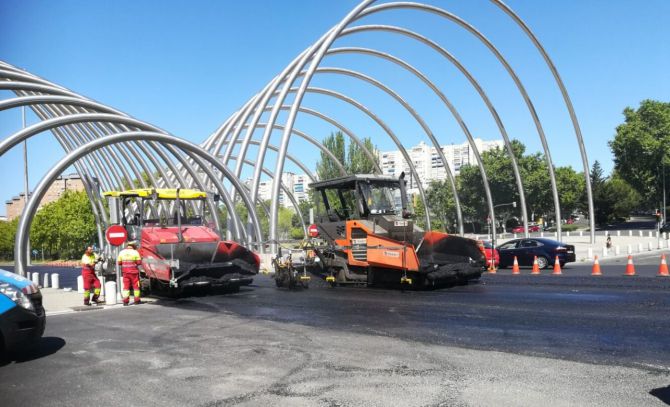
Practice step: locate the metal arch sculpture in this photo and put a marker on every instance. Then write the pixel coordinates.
(116, 163)
(197, 153)
(58, 120)
(309, 63)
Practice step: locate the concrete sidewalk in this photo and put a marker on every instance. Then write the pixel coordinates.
(59, 301)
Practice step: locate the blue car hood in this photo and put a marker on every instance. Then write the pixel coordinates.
(14, 280)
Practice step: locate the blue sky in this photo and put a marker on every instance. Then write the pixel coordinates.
(186, 66)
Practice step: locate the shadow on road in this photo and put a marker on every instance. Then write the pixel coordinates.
(45, 347)
(662, 393)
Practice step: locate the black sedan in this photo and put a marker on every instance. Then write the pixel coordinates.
(525, 251)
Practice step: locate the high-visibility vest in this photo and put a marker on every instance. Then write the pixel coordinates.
(129, 259)
(88, 263)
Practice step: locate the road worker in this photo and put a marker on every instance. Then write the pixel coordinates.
(88, 261)
(129, 259)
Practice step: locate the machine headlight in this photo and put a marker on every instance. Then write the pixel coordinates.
(16, 295)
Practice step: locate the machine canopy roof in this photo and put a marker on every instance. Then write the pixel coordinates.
(159, 193)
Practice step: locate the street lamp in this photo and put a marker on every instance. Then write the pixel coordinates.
(492, 267)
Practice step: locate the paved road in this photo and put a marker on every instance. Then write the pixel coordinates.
(509, 340)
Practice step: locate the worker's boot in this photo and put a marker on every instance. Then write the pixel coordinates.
(87, 301)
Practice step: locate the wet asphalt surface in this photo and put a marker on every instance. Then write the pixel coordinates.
(254, 342)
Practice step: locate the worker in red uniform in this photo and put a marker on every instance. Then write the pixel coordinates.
(88, 261)
(129, 259)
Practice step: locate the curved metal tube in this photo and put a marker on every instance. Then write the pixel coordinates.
(501, 127)
(568, 104)
(388, 131)
(426, 130)
(31, 206)
(449, 16)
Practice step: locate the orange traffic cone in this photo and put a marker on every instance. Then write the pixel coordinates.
(557, 268)
(595, 271)
(515, 267)
(663, 268)
(536, 267)
(630, 268)
(492, 266)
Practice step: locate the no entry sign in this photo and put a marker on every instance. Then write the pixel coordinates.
(313, 231)
(116, 235)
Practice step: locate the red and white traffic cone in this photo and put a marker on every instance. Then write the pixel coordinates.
(515, 267)
(536, 267)
(595, 271)
(663, 268)
(630, 267)
(557, 268)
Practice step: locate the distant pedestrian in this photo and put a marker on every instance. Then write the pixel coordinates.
(88, 261)
(609, 241)
(129, 259)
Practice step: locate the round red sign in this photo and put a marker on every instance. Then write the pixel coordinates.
(116, 235)
(313, 231)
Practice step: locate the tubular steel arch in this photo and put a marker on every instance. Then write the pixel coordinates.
(197, 153)
(115, 158)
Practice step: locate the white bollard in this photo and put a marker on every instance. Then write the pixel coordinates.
(55, 280)
(36, 278)
(45, 280)
(581, 233)
(630, 249)
(80, 284)
(617, 250)
(604, 251)
(589, 253)
(651, 234)
(567, 234)
(102, 285)
(630, 233)
(110, 290)
(515, 235)
(541, 234)
(28, 276)
(618, 233)
(641, 234)
(650, 247)
(639, 247)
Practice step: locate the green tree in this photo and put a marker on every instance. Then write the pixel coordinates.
(65, 227)
(326, 168)
(442, 205)
(357, 161)
(7, 235)
(571, 187)
(354, 160)
(640, 148)
(614, 199)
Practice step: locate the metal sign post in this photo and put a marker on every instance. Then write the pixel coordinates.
(116, 235)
